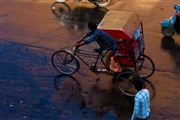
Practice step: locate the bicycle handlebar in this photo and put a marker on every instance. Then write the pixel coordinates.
(79, 43)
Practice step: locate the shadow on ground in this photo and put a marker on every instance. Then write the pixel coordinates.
(96, 104)
(169, 44)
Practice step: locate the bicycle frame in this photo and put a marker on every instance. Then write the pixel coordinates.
(89, 54)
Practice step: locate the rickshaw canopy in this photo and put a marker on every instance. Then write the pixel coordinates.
(120, 24)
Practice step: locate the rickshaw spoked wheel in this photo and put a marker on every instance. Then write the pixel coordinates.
(65, 62)
(148, 85)
(124, 82)
(146, 67)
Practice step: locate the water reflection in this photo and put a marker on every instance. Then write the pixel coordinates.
(110, 104)
(169, 44)
(95, 104)
(78, 18)
(67, 88)
(24, 87)
(68, 96)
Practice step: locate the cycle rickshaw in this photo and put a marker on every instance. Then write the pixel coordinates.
(127, 29)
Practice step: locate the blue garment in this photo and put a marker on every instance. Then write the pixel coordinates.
(105, 41)
(141, 105)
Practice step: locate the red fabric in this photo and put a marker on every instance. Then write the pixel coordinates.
(117, 34)
(128, 48)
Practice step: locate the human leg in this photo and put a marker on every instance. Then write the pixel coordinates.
(107, 58)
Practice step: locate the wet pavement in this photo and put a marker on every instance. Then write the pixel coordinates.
(23, 90)
(32, 89)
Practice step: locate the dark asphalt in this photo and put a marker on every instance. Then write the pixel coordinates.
(30, 88)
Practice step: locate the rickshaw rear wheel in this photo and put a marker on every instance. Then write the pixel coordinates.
(124, 82)
(167, 32)
(148, 85)
(147, 66)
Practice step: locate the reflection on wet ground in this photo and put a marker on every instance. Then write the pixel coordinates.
(169, 44)
(27, 90)
(96, 104)
(68, 96)
(78, 18)
(30, 91)
(24, 89)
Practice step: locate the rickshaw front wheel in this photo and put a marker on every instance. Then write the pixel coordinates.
(167, 32)
(146, 67)
(65, 62)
